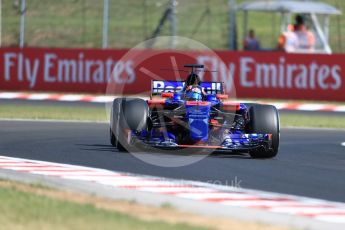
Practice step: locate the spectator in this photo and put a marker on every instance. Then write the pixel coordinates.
(288, 40)
(306, 38)
(251, 43)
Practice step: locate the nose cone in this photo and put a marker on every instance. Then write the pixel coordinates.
(211, 98)
(177, 97)
(198, 116)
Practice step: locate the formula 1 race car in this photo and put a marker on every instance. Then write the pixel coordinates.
(194, 115)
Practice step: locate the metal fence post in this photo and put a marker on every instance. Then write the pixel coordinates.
(22, 23)
(105, 23)
(232, 25)
(0, 23)
(172, 18)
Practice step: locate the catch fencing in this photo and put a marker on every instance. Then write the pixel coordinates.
(125, 23)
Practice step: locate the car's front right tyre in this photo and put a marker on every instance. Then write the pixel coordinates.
(127, 114)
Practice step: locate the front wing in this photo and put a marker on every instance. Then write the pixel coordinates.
(231, 142)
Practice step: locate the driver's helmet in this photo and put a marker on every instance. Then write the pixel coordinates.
(193, 79)
(194, 94)
(193, 89)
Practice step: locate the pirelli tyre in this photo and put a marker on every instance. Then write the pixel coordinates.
(264, 119)
(127, 114)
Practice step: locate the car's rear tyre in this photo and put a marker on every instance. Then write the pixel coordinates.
(264, 119)
(127, 114)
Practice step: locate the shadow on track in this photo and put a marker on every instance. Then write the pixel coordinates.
(215, 154)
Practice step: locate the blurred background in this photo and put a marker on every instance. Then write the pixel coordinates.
(125, 23)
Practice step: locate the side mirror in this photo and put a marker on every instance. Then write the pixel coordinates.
(222, 96)
(167, 95)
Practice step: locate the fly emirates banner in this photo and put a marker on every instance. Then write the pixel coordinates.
(246, 74)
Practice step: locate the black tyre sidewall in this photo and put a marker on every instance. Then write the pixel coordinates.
(115, 123)
(264, 119)
(127, 114)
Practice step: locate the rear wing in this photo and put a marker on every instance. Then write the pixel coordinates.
(159, 87)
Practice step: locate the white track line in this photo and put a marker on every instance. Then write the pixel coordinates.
(218, 195)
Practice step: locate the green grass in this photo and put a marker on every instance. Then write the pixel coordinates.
(27, 210)
(78, 23)
(95, 113)
(58, 112)
(316, 121)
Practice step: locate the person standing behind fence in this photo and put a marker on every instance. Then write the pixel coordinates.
(251, 43)
(288, 40)
(306, 38)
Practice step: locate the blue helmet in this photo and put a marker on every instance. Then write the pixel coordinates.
(194, 95)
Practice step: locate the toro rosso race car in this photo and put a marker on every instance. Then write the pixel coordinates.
(194, 115)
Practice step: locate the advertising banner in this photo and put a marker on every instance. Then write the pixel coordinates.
(246, 74)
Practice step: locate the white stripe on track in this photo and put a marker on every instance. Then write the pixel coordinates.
(340, 109)
(331, 218)
(175, 190)
(39, 96)
(133, 182)
(117, 176)
(280, 105)
(306, 210)
(259, 203)
(19, 164)
(9, 95)
(102, 99)
(216, 195)
(71, 97)
(39, 169)
(310, 107)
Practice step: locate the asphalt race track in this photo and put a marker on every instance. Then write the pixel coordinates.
(311, 162)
